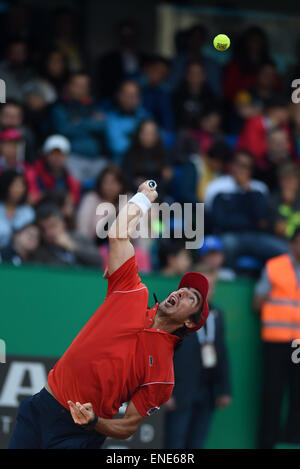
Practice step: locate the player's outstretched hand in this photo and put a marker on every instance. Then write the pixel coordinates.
(81, 413)
(148, 192)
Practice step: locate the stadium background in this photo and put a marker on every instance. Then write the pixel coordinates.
(35, 299)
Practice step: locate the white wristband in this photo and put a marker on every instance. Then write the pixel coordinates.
(142, 201)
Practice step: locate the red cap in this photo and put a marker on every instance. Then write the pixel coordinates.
(200, 283)
(10, 134)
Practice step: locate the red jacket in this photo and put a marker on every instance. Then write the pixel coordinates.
(40, 181)
(254, 139)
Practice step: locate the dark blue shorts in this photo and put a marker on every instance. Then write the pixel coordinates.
(42, 422)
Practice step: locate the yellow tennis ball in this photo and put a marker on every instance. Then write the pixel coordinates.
(221, 42)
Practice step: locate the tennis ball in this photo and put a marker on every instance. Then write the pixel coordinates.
(221, 42)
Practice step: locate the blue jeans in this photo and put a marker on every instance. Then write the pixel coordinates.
(43, 423)
(250, 243)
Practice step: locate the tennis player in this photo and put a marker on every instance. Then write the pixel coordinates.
(123, 354)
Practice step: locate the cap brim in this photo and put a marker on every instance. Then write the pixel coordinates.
(200, 283)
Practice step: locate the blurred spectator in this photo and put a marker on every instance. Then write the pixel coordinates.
(66, 36)
(61, 247)
(208, 131)
(54, 72)
(237, 207)
(23, 247)
(11, 150)
(15, 70)
(192, 49)
(277, 154)
(202, 386)
(109, 185)
(123, 63)
(14, 212)
(268, 84)
(243, 108)
(155, 95)
(200, 170)
(77, 117)
(285, 202)
(123, 120)
(277, 297)
(192, 96)
(63, 200)
(50, 172)
(295, 124)
(147, 158)
(174, 258)
(254, 134)
(212, 254)
(251, 50)
(12, 117)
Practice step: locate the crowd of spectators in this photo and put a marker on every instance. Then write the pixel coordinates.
(75, 133)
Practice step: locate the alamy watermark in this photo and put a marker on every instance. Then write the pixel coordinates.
(296, 353)
(296, 93)
(2, 351)
(163, 220)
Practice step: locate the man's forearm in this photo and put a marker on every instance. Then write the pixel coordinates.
(116, 428)
(126, 222)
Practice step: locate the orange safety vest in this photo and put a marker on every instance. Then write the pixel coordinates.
(281, 311)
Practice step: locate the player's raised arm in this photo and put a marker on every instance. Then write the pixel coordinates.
(120, 247)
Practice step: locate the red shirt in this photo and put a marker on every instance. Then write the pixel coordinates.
(117, 357)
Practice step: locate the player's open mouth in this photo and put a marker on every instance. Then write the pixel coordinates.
(172, 301)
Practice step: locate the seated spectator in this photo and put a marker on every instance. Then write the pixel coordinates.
(63, 200)
(277, 154)
(14, 212)
(237, 207)
(254, 134)
(285, 202)
(23, 246)
(11, 150)
(192, 96)
(268, 85)
(174, 258)
(66, 36)
(61, 247)
(50, 172)
(121, 64)
(15, 70)
(209, 130)
(205, 384)
(54, 74)
(193, 50)
(295, 124)
(147, 158)
(251, 50)
(109, 185)
(77, 117)
(12, 117)
(200, 170)
(155, 94)
(123, 120)
(243, 108)
(211, 254)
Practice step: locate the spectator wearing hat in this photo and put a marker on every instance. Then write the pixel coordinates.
(50, 172)
(14, 211)
(212, 254)
(11, 150)
(23, 246)
(202, 386)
